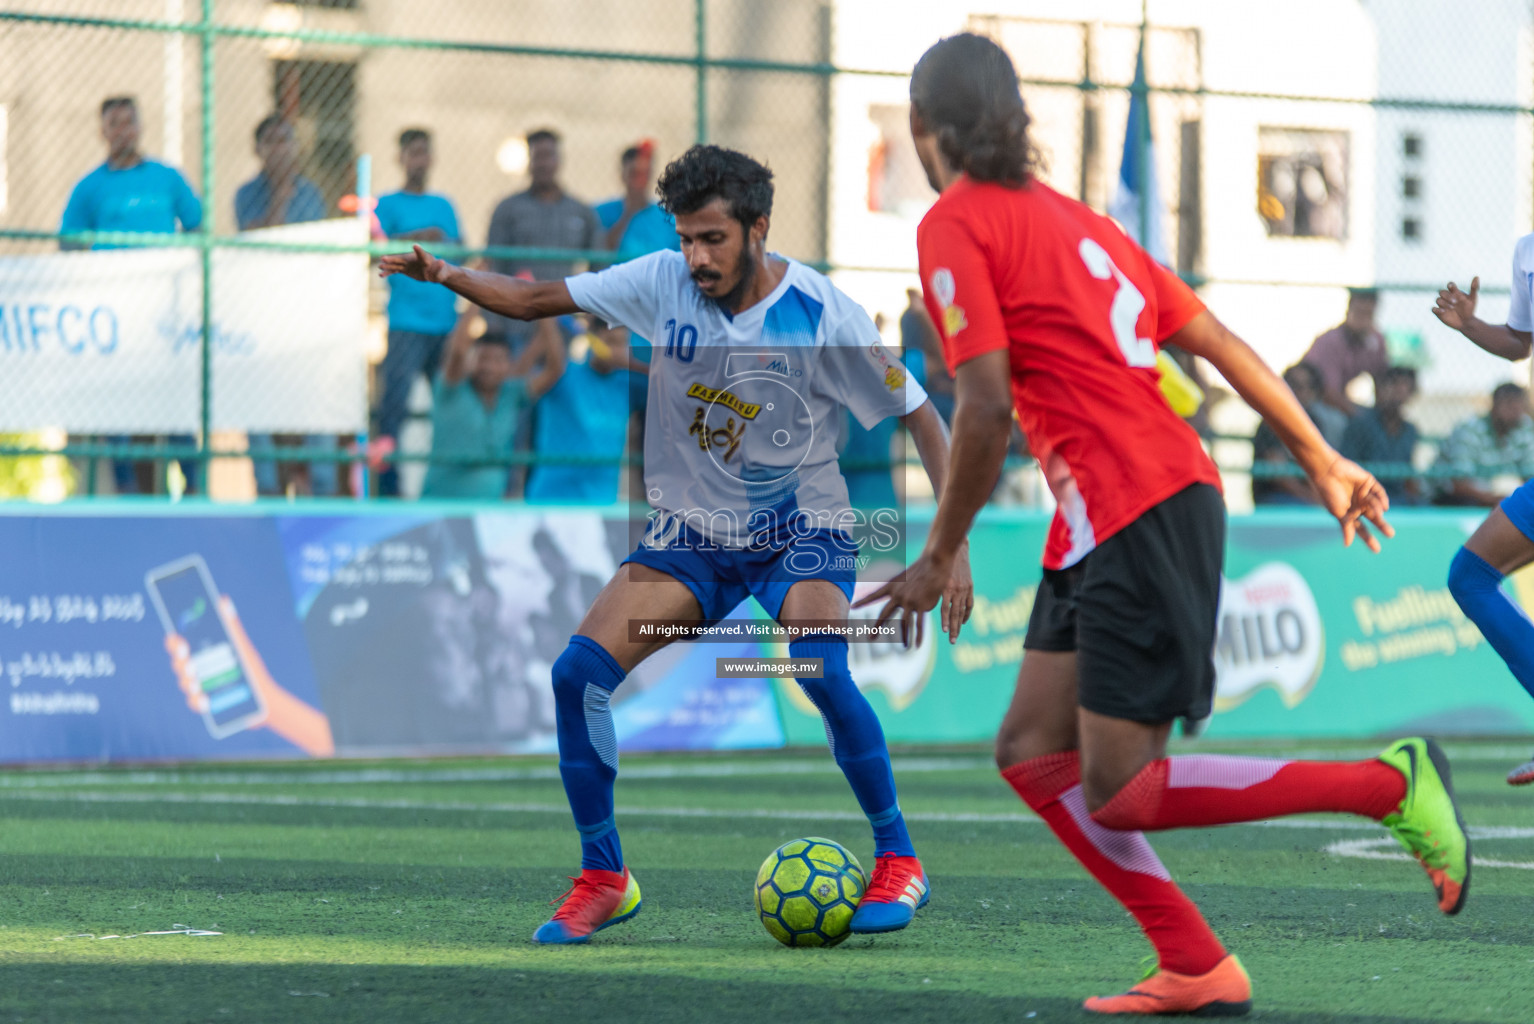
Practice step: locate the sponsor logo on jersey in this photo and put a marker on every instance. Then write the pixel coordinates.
(945, 291)
(780, 366)
(1270, 636)
(943, 287)
(718, 396)
(738, 364)
(726, 437)
(894, 372)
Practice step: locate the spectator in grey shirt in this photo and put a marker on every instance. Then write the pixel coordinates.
(545, 217)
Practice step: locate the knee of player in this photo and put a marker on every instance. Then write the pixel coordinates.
(578, 666)
(1023, 738)
(1099, 791)
(1011, 748)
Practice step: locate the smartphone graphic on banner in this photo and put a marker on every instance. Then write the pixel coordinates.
(187, 601)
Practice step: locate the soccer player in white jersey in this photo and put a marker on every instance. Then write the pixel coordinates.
(1504, 543)
(756, 356)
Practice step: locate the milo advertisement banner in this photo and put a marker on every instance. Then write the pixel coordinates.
(1314, 639)
(356, 629)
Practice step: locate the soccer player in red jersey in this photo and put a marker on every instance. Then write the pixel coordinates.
(1049, 308)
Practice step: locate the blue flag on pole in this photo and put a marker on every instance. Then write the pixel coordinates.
(1135, 182)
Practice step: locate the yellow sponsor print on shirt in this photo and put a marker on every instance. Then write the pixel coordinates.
(945, 289)
(953, 320)
(894, 378)
(718, 396)
(726, 437)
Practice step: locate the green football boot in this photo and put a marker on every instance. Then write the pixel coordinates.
(1428, 822)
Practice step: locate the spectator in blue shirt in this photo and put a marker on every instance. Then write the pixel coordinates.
(278, 194)
(130, 192)
(1383, 440)
(420, 315)
(475, 404)
(586, 413)
(636, 226)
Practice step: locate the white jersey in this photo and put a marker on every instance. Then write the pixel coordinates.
(744, 411)
(1520, 312)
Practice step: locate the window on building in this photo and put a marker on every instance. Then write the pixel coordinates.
(1411, 186)
(1411, 229)
(1411, 145)
(896, 182)
(1302, 182)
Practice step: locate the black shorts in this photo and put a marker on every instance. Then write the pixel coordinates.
(1140, 610)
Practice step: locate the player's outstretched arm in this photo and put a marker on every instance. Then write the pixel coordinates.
(508, 296)
(930, 435)
(1347, 490)
(982, 428)
(1456, 309)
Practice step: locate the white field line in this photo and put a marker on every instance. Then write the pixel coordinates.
(1369, 849)
(373, 776)
(704, 769)
(433, 806)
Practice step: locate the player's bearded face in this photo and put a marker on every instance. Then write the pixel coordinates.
(727, 284)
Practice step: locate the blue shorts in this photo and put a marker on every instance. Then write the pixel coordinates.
(721, 578)
(1519, 507)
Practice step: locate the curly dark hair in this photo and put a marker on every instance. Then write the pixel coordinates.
(705, 173)
(965, 89)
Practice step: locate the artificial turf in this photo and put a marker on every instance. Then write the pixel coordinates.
(407, 891)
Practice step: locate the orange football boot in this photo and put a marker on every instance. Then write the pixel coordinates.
(1224, 991)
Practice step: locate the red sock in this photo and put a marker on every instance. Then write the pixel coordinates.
(1123, 862)
(1208, 789)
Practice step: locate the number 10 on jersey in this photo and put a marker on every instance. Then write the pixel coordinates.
(680, 343)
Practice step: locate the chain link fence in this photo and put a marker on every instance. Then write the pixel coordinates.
(1345, 145)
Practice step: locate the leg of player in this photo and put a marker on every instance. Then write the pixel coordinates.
(899, 885)
(1498, 548)
(600, 655)
(1129, 785)
(1036, 750)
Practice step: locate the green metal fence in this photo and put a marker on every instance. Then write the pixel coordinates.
(1414, 170)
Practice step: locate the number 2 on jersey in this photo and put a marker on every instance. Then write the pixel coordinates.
(1127, 306)
(680, 344)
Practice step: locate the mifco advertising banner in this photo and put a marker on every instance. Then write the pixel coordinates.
(354, 630)
(110, 341)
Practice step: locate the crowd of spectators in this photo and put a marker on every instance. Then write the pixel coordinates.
(1478, 464)
(567, 397)
(500, 388)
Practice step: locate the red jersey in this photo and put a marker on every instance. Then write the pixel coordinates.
(1082, 311)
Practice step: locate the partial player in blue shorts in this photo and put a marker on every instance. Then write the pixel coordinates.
(1504, 543)
(721, 578)
(756, 361)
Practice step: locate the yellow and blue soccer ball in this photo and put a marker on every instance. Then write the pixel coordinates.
(807, 890)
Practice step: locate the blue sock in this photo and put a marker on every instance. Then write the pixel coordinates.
(585, 677)
(1478, 589)
(857, 741)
